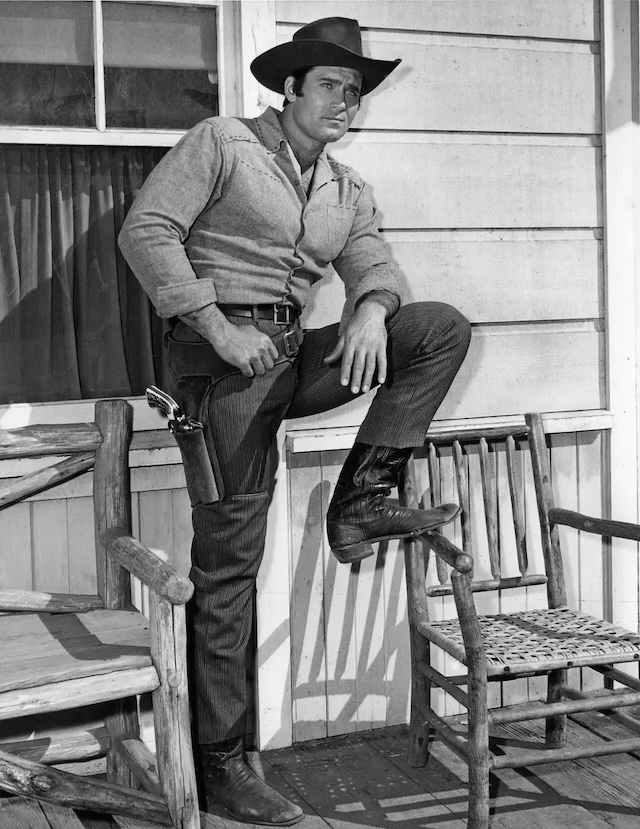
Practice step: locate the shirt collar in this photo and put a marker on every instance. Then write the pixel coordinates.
(273, 139)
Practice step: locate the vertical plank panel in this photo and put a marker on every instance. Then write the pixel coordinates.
(50, 546)
(564, 482)
(486, 603)
(514, 600)
(369, 626)
(453, 531)
(15, 547)
(339, 612)
(82, 556)
(397, 656)
(182, 530)
(309, 675)
(136, 585)
(536, 594)
(156, 529)
(590, 502)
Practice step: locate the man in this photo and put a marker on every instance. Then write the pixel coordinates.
(227, 235)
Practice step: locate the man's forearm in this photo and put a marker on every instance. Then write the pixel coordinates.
(209, 322)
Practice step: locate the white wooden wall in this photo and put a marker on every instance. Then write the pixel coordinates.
(484, 149)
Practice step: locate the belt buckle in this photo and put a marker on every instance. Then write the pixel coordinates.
(290, 342)
(286, 318)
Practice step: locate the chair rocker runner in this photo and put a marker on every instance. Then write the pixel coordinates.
(540, 642)
(61, 652)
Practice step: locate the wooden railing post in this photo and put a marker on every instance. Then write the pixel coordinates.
(112, 496)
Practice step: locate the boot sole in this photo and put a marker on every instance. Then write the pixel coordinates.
(214, 807)
(352, 553)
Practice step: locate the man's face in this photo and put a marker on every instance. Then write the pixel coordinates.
(329, 101)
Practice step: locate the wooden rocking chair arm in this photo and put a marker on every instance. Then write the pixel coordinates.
(454, 556)
(600, 526)
(141, 562)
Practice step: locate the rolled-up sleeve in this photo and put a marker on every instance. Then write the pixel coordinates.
(152, 238)
(366, 262)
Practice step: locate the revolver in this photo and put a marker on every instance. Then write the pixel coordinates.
(178, 421)
(189, 435)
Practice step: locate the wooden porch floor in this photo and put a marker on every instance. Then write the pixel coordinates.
(361, 781)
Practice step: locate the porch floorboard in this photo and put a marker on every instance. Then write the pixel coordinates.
(361, 781)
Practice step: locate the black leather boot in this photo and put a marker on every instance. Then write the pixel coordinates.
(230, 781)
(360, 515)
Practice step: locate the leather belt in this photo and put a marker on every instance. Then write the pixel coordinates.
(284, 314)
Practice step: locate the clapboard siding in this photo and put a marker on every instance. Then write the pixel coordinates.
(463, 181)
(565, 20)
(510, 369)
(491, 276)
(350, 667)
(470, 84)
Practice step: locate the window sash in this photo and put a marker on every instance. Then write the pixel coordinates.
(228, 92)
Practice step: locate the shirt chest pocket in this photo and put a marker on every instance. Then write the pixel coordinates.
(327, 229)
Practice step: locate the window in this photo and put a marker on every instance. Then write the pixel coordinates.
(92, 92)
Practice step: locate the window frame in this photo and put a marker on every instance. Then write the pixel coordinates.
(232, 86)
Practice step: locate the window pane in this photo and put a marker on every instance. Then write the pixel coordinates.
(46, 64)
(160, 65)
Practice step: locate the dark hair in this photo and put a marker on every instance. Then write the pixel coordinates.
(298, 75)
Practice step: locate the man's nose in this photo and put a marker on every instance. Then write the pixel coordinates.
(339, 98)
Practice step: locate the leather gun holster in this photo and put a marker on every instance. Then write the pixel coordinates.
(196, 366)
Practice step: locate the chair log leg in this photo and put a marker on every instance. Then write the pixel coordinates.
(419, 730)
(556, 727)
(171, 717)
(478, 736)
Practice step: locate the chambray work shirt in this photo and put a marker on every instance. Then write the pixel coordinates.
(224, 218)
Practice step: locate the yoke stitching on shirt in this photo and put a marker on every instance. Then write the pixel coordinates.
(258, 170)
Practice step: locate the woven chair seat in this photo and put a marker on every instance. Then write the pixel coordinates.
(540, 640)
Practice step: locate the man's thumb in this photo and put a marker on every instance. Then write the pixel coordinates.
(336, 353)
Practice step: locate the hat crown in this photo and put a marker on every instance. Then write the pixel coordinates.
(341, 31)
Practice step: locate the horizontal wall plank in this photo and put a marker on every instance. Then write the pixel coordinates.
(490, 276)
(569, 19)
(439, 182)
(510, 369)
(461, 83)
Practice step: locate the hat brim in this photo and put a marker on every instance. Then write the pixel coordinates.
(274, 66)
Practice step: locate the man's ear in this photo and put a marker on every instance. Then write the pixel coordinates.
(289, 85)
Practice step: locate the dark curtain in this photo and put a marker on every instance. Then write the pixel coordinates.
(74, 322)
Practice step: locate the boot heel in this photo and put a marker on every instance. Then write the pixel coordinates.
(353, 552)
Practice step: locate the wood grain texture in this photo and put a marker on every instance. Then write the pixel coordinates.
(573, 20)
(483, 85)
(469, 182)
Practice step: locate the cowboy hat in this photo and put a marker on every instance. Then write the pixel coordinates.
(331, 41)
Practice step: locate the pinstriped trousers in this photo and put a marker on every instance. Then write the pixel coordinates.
(426, 346)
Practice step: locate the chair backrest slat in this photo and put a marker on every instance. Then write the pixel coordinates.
(462, 481)
(516, 491)
(490, 499)
(436, 497)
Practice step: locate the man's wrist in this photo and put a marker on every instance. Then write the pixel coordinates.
(380, 301)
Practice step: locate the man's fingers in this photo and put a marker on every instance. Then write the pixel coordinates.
(382, 365)
(367, 377)
(336, 353)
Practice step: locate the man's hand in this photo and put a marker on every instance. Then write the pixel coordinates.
(243, 346)
(246, 348)
(363, 347)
